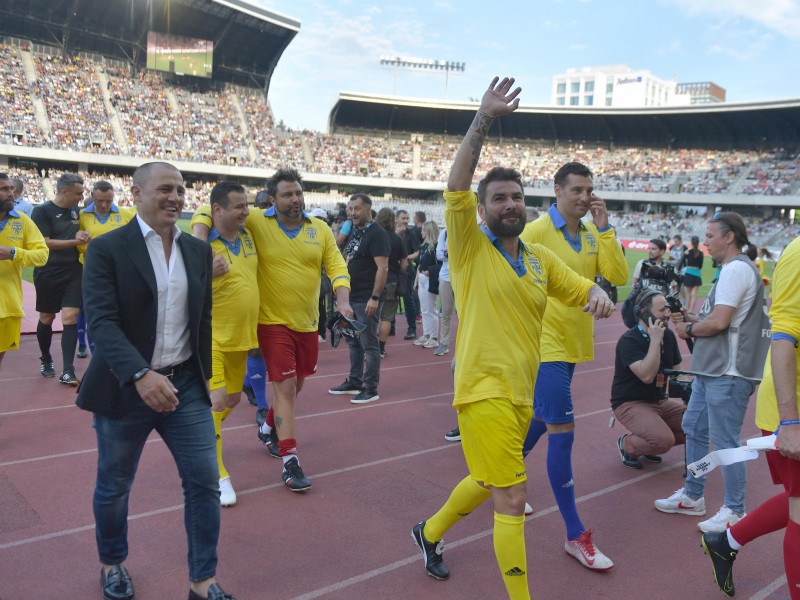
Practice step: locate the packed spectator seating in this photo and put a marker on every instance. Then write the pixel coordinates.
(17, 116)
(71, 93)
(160, 120)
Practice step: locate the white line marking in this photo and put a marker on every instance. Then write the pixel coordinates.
(772, 587)
(27, 410)
(340, 585)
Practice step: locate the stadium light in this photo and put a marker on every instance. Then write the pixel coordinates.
(422, 64)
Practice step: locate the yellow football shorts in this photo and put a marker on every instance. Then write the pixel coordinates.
(9, 333)
(492, 434)
(228, 370)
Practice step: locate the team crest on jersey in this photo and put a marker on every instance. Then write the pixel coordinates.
(16, 227)
(247, 244)
(115, 219)
(536, 267)
(311, 232)
(591, 241)
(73, 214)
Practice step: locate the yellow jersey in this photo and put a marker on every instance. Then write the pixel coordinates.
(567, 331)
(96, 226)
(501, 306)
(30, 250)
(234, 308)
(785, 314)
(290, 267)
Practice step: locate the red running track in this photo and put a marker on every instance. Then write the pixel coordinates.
(376, 470)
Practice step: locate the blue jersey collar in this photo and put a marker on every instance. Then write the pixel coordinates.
(518, 265)
(213, 234)
(558, 220)
(13, 213)
(270, 212)
(90, 208)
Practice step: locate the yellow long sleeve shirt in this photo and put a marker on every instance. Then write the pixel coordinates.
(19, 232)
(567, 331)
(501, 306)
(785, 314)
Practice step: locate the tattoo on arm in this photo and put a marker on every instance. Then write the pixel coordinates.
(480, 125)
(278, 422)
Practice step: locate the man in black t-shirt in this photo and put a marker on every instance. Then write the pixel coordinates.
(367, 256)
(413, 240)
(396, 280)
(638, 395)
(58, 283)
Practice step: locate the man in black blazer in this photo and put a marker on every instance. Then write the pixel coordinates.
(147, 298)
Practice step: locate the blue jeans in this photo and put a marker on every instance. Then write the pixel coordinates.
(716, 412)
(365, 349)
(189, 434)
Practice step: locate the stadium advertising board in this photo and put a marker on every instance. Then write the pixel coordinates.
(179, 55)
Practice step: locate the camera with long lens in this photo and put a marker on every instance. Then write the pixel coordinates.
(658, 277)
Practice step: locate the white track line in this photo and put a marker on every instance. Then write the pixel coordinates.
(772, 587)
(340, 585)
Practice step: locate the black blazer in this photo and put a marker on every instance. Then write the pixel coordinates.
(121, 305)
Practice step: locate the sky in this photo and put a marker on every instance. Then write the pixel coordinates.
(748, 47)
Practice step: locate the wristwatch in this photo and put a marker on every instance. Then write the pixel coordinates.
(689, 329)
(139, 374)
(374, 297)
(13, 252)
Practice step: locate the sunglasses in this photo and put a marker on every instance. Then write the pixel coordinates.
(720, 217)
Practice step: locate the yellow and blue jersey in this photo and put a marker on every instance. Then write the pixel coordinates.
(18, 231)
(785, 315)
(97, 225)
(290, 267)
(501, 302)
(234, 307)
(567, 331)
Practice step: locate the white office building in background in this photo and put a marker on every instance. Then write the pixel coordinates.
(619, 86)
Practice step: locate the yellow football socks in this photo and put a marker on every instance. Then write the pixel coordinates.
(509, 548)
(218, 417)
(465, 498)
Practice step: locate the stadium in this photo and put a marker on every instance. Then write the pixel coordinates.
(100, 88)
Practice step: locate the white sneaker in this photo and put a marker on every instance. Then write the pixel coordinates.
(528, 510)
(720, 521)
(680, 503)
(441, 350)
(584, 550)
(421, 340)
(431, 343)
(320, 339)
(227, 497)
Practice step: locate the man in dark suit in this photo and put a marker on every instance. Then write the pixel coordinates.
(148, 308)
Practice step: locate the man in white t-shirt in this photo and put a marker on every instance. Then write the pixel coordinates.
(729, 354)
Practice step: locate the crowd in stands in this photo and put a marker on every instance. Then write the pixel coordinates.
(17, 116)
(70, 90)
(160, 120)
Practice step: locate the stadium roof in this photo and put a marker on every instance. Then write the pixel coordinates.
(248, 39)
(755, 125)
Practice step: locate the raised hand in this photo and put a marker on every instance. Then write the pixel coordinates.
(655, 329)
(498, 99)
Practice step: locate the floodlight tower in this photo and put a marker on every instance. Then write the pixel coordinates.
(423, 64)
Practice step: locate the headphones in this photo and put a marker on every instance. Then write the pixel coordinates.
(637, 309)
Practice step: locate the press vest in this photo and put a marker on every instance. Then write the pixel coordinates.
(712, 355)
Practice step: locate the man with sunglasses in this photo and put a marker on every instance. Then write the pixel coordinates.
(731, 336)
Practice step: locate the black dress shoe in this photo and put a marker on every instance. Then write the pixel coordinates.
(214, 593)
(117, 585)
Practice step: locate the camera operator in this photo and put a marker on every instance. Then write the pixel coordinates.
(655, 257)
(638, 396)
(732, 338)
(652, 274)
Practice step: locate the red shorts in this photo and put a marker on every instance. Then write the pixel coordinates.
(288, 353)
(784, 471)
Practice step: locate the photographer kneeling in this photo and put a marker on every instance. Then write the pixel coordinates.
(638, 396)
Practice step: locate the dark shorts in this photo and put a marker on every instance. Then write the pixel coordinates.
(692, 281)
(288, 353)
(57, 288)
(784, 471)
(552, 396)
(389, 302)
